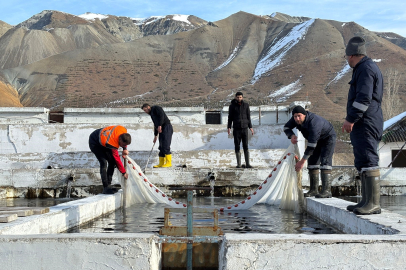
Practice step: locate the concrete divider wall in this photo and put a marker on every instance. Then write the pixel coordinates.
(265, 251)
(80, 251)
(333, 211)
(64, 216)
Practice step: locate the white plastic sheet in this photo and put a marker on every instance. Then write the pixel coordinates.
(279, 188)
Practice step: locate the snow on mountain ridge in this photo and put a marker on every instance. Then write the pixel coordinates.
(277, 51)
(92, 16)
(230, 58)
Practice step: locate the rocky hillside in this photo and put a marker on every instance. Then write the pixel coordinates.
(394, 38)
(273, 59)
(9, 96)
(4, 27)
(52, 32)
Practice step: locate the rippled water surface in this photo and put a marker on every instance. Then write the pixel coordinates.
(258, 219)
(33, 202)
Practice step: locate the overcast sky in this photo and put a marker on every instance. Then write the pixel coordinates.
(374, 15)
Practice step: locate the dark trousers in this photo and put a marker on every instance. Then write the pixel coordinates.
(105, 158)
(322, 157)
(165, 140)
(240, 134)
(365, 143)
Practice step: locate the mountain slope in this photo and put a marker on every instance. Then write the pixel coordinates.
(4, 27)
(9, 96)
(272, 61)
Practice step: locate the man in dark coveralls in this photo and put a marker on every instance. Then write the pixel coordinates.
(163, 128)
(321, 140)
(364, 122)
(239, 116)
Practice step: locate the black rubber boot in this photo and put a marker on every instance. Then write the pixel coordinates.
(363, 195)
(326, 184)
(107, 190)
(314, 183)
(247, 159)
(110, 187)
(373, 194)
(238, 156)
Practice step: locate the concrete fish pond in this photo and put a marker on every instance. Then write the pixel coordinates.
(96, 231)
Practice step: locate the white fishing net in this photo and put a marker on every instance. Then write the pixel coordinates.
(281, 187)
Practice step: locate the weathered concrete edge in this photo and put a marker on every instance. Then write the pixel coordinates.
(333, 211)
(265, 251)
(80, 251)
(64, 216)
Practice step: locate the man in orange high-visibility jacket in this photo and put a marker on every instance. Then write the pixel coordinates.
(104, 143)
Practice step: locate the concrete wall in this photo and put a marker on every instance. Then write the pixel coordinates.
(60, 138)
(261, 251)
(263, 115)
(80, 251)
(64, 216)
(177, 115)
(237, 251)
(23, 115)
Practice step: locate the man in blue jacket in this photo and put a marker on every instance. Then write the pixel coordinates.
(321, 140)
(364, 122)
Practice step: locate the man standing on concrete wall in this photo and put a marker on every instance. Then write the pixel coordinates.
(364, 122)
(321, 140)
(163, 129)
(104, 143)
(239, 116)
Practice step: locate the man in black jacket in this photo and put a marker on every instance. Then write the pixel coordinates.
(321, 140)
(364, 122)
(239, 116)
(163, 128)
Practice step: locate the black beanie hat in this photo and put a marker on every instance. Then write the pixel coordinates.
(298, 109)
(356, 45)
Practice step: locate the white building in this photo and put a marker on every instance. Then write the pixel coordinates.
(393, 140)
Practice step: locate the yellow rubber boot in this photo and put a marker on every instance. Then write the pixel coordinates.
(161, 162)
(168, 161)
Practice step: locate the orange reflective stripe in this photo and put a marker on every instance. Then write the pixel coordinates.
(110, 135)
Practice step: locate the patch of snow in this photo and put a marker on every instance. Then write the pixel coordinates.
(343, 24)
(149, 20)
(394, 120)
(285, 92)
(340, 74)
(181, 18)
(277, 51)
(377, 60)
(92, 16)
(273, 15)
(230, 58)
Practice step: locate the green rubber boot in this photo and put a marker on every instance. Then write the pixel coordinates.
(373, 196)
(326, 184)
(314, 183)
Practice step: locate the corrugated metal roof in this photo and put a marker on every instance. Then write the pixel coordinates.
(396, 132)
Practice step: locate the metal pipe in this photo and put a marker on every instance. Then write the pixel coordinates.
(189, 228)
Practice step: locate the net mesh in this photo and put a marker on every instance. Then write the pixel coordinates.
(282, 187)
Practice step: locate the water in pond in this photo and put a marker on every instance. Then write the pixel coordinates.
(395, 204)
(33, 202)
(260, 218)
